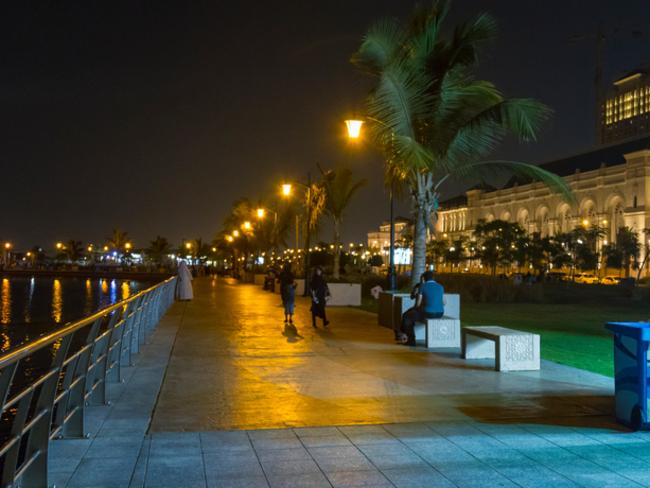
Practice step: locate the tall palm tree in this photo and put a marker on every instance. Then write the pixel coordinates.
(340, 187)
(73, 250)
(432, 118)
(158, 250)
(118, 239)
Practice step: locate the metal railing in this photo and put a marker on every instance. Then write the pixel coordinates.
(46, 384)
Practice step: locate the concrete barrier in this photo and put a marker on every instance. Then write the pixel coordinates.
(345, 294)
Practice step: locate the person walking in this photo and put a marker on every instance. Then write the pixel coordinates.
(288, 292)
(320, 293)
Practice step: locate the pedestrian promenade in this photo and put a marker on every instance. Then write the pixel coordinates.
(226, 396)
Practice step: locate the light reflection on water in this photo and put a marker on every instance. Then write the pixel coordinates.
(30, 307)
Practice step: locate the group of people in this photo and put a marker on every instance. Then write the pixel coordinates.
(318, 289)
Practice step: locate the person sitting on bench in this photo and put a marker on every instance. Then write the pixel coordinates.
(428, 305)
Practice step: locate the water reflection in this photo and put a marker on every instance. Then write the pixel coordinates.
(57, 301)
(5, 302)
(30, 307)
(113, 291)
(88, 308)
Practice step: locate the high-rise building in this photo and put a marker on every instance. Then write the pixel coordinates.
(625, 110)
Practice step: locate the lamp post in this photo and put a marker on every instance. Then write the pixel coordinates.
(354, 133)
(286, 191)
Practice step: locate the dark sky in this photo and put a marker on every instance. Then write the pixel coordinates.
(155, 116)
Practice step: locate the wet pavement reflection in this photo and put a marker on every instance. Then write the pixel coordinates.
(236, 365)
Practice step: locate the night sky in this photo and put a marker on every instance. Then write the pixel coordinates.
(155, 116)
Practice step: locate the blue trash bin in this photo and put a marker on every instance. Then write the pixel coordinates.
(631, 372)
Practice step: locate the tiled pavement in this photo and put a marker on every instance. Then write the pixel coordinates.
(584, 447)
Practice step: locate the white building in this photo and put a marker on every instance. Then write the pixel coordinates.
(611, 187)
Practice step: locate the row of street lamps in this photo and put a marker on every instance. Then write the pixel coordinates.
(354, 127)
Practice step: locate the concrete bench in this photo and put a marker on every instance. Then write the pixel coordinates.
(439, 333)
(434, 333)
(513, 350)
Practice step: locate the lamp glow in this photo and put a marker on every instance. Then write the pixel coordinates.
(235, 233)
(260, 213)
(127, 246)
(247, 225)
(286, 189)
(59, 245)
(585, 222)
(354, 128)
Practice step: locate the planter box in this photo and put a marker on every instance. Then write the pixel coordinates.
(345, 294)
(385, 316)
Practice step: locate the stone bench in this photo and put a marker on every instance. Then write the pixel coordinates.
(443, 332)
(513, 350)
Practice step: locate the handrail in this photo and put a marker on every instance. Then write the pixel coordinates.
(84, 356)
(26, 349)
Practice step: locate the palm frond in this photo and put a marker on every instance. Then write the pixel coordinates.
(529, 172)
(469, 36)
(379, 47)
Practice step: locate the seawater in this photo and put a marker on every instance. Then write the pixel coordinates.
(31, 307)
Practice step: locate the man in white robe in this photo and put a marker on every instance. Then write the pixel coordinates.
(184, 285)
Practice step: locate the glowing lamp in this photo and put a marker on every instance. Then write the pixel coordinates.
(127, 246)
(247, 225)
(188, 245)
(235, 233)
(7, 245)
(354, 128)
(59, 245)
(260, 213)
(286, 189)
(585, 222)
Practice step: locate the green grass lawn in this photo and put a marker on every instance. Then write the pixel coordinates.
(570, 334)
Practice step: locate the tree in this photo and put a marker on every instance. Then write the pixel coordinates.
(73, 250)
(158, 250)
(497, 243)
(117, 241)
(339, 187)
(628, 247)
(436, 249)
(430, 116)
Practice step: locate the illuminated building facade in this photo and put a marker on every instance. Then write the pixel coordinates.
(611, 187)
(625, 112)
(380, 240)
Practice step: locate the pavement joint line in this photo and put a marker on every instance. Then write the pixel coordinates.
(364, 454)
(420, 457)
(590, 461)
(312, 458)
(167, 363)
(250, 441)
(523, 452)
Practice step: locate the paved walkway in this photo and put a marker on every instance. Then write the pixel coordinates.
(245, 402)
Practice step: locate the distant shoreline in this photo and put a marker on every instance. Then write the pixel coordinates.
(81, 273)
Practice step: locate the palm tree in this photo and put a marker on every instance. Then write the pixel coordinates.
(431, 118)
(73, 250)
(117, 241)
(339, 188)
(627, 242)
(158, 250)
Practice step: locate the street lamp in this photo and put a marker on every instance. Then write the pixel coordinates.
(286, 191)
(235, 233)
(128, 246)
(354, 132)
(354, 128)
(59, 246)
(230, 238)
(247, 225)
(260, 213)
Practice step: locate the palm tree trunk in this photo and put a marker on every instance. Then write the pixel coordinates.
(337, 249)
(423, 208)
